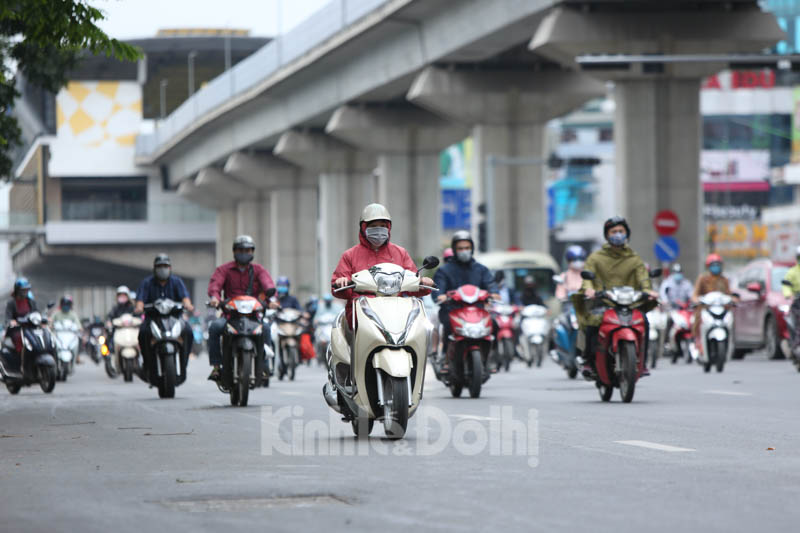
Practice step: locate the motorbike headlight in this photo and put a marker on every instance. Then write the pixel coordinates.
(101, 339)
(258, 330)
(388, 284)
(28, 345)
(784, 309)
(176, 329)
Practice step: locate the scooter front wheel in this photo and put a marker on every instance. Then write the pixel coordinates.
(476, 377)
(47, 378)
(630, 370)
(13, 388)
(395, 406)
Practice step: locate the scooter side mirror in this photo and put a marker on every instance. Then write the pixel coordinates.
(587, 275)
(786, 282)
(430, 262)
(559, 279)
(51, 304)
(656, 273)
(754, 287)
(270, 292)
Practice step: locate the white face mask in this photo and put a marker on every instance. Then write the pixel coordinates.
(377, 236)
(577, 265)
(464, 256)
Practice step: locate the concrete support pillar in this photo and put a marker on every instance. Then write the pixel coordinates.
(518, 193)
(508, 111)
(345, 187)
(657, 122)
(407, 141)
(293, 235)
(226, 232)
(657, 134)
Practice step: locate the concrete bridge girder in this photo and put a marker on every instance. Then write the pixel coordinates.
(508, 111)
(657, 117)
(407, 141)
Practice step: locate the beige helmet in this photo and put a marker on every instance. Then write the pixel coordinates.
(375, 212)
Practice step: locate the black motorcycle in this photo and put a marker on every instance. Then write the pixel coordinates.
(166, 342)
(95, 342)
(242, 348)
(36, 363)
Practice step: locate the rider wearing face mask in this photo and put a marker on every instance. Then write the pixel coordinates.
(614, 265)
(710, 281)
(576, 259)
(462, 270)
(162, 284)
(375, 227)
(285, 299)
(124, 304)
(240, 277)
(676, 289)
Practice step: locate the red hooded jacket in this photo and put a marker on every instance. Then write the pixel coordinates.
(363, 256)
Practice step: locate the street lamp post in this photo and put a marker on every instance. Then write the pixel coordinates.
(192, 55)
(163, 98)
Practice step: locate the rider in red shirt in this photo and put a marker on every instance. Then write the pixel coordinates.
(236, 278)
(374, 247)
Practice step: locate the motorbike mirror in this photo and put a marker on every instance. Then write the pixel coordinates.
(754, 286)
(786, 282)
(51, 304)
(270, 292)
(430, 262)
(558, 278)
(588, 275)
(656, 273)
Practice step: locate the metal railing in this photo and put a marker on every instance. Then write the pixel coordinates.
(332, 18)
(106, 211)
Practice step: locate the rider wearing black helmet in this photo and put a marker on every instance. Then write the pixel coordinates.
(20, 304)
(236, 278)
(614, 265)
(163, 284)
(462, 270)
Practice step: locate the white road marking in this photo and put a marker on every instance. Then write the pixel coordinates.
(475, 417)
(653, 446)
(728, 393)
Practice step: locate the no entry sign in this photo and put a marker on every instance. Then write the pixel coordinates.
(666, 222)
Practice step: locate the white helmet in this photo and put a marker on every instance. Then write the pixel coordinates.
(123, 289)
(375, 212)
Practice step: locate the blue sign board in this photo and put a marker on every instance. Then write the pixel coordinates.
(456, 209)
(667, 249)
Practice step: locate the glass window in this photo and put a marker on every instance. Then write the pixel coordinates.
(778, 273)
(104, 199)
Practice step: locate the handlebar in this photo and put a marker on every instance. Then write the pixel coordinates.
(353, 286)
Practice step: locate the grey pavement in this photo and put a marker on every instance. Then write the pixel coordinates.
(693, 452)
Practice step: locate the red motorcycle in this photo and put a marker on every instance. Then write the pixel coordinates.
(681, 334)
(620, 353)
(505, 348)
(470, 342)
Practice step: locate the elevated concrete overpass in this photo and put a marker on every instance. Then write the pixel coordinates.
(355, 104)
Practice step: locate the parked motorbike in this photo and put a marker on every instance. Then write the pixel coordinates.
(242, 348)
(716, 325)
(166, 341)
(535, 333)
(323, 326)
(286, 331)
(68, 342)
(377, 372)
(681, 338)
(36, 363)
(126, 359)
(619, 356)
(470, 344)
(565, 336)
(505, 345)
(657, 318)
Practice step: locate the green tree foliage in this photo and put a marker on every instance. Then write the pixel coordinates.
(43, 40)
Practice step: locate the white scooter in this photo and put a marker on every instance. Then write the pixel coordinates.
(126, 345)
(68, 340)
(323, 326)
(657, 319)
(382, 376)
(716, 325)
(535, 329)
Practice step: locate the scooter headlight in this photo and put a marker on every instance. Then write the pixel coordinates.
(784, 309)
(388, 284)
(176, 330)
